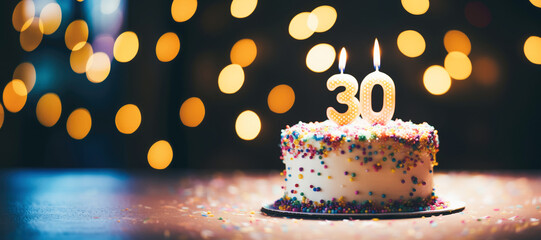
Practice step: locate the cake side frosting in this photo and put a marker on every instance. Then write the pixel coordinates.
(383, 167)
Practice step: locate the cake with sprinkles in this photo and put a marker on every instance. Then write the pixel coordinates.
(359, 167)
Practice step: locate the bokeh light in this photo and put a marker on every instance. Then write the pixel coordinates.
(126, 46)
(76, 35)
(128, 119)
(51, 17)
(243, 52)
(183, 10)
(79, 58)
(32, 36)
(160, 155)
(303, 25)
(79, 123)
(486, 70)
(243, 8)
(23, 15)
(231, 79)
(536, 3)
(192, 112)
(458, 65)
(109, 6)
(167, 47)
(14, 95)
(436, 80)
(326, 17)
(27, 73)
(455, 40)
(320, 57)
(478, 14)
(416, 7)
(98, 67)
(411, 43)
(1, 115)
(104, 43)
(248, 125)
(49, 109)
(281, 98)
(532, 49)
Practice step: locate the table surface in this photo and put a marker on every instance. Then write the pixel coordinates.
(114, 204)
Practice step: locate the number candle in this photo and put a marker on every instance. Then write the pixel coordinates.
(347, 96)
(368, 84)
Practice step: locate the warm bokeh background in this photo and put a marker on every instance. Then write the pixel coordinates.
(488, 120)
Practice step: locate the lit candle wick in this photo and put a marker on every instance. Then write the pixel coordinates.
(342, 61)
(376, 55)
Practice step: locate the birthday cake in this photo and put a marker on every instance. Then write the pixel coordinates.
(359, 167)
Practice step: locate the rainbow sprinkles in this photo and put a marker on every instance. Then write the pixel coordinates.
(359, 167)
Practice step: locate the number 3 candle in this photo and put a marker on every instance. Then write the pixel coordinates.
(347, 96)
(368, 84)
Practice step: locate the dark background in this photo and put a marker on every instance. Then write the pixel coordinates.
(481, 126)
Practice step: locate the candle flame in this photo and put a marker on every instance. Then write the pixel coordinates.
(342, 61)
(377, 61)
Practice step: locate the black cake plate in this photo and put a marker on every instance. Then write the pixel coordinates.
(452, 207)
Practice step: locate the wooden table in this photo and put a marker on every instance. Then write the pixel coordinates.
(178, 205)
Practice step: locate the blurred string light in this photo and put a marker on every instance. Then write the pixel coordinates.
(109, 6)
(183, 10)
(304, 24)
(416, 7)
(23, 15)
(320, 57)
(51, 17)
(411, 43)
(126, 46)
(326, 17)
(243, 8)
(104, 43)
(458, 65)
(532, 49)
(76, 35)
(98, 67)
(455, 40)
(243, 52)
(486, 70)
(79, 58)
(31, 37)
(248, 125)
(104, 16)
(281, 98)
(167, 47)
(128, 119)
(160, 155)
(14, 96)
(192, 112)
(1, 115)
(27, 73)
(79, 123)
(536, 3)
(231, 79)
(49, 109)
(436, 80)
(478, 14)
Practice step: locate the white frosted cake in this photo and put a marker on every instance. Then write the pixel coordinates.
(358, 167)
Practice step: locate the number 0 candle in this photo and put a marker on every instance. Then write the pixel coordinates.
(347, 96)
(368, 83)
